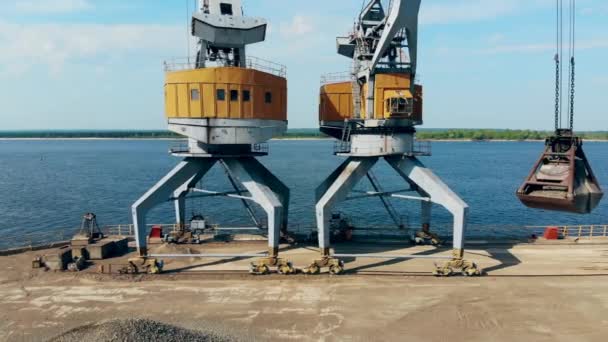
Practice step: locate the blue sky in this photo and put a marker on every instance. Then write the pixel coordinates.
(93, 64)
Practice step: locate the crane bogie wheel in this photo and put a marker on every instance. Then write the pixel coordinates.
(471, 271)
(259, 269)
(286, 269)
(336, 269)
(313, 269)
(443, 272)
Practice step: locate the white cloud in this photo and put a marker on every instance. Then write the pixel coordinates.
(55, 45)
(52, 6)
(299, 26)
(462, 11)
(543, 47)
(596, 10)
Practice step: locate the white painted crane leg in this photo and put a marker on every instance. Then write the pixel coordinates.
(161, 192)
(413, 170)
(426, 210)
(329, 181)
(180, 208)
(252, 177)
(280, 190)
(180, 198)
(334, 190)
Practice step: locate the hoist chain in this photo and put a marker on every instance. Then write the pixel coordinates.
(557, 91)
(572, 93)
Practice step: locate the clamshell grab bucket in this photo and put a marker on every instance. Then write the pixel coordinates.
(562, 179)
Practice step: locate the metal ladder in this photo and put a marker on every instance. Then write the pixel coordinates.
(344, 145)
(392, 212)
(356, 91)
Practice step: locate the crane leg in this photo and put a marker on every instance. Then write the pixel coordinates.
(180, 198)
(281, 191)
(332, 191)
(162, 192)
(425, 235)
(253, 176)
(415, 172)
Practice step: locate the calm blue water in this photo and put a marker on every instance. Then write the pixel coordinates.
(48, 185)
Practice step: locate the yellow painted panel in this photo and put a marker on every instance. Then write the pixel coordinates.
(210, 79)
(247, 106)
(393, 81)
(183, 101)
(195, 103)
(397, 93)
(345, 105)
(234, 107)
(258, 100)
(266, 107)
(378, 103)
(336, 103)
(171, 100)
(285, 99)
(208, 95)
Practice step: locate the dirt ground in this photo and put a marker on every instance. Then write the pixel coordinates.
(551, 292)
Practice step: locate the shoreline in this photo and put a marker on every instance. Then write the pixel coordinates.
(274, 139)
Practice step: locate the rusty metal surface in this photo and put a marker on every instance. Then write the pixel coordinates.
(576, 191)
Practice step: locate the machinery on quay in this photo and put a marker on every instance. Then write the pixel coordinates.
(373, 114)
(562, 178)
(228, 105)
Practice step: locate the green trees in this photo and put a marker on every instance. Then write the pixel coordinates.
(423, 134)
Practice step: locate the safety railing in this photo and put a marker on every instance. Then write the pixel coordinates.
(179, 147)
(579, 232)
(420, 148)
(189, 63)
(266, 66)
(336, 77)
(32, 241)
(182, 147)
(119, 230)
(260, 148)
(341, 146)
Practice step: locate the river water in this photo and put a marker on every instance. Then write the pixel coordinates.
(47, 185)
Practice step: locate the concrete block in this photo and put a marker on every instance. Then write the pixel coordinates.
(78, 252)
(58, 259)
(101, 249)
(121, 246)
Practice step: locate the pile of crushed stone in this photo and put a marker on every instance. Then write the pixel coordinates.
(136, 330)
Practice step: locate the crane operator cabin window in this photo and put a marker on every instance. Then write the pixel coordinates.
(226, 9)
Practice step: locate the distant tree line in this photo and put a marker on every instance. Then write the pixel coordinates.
(426, 134)
(89, 134)
(492, 134)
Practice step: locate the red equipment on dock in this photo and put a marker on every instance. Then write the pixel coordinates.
(551, 233)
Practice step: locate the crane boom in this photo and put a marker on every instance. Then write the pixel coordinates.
(402, 15)
(377, 44)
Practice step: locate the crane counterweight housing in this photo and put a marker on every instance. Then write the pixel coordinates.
(222, 96)
(227, 105)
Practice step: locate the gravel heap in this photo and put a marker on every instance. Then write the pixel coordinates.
(136, 330)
